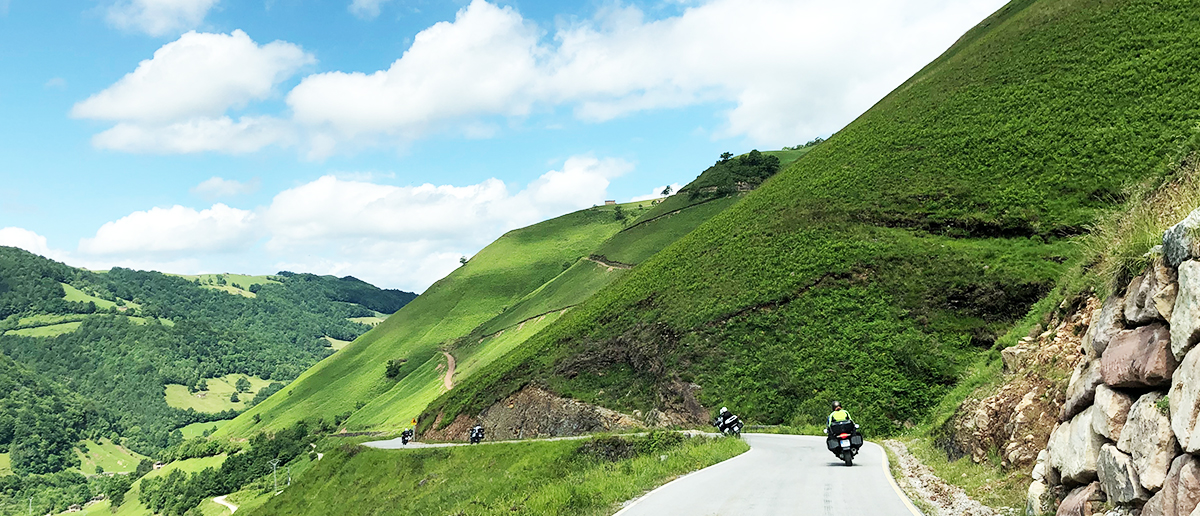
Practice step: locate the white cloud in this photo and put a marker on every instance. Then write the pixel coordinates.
(198, 75)
(657, 192)
(174, 231)
(158, 17)
(780, 71)
(217, 187)
(29, 241)
(57, 83)
(222, 134)
(366, 9)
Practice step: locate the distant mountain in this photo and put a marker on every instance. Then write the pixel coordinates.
(119, 338)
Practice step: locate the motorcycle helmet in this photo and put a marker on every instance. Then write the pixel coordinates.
(837, 405)
(724, 410)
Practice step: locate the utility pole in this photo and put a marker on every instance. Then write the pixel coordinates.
(274, 474)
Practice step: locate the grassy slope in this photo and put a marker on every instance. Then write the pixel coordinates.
(217, 395)
(895, 252)
(5, 465)
(526, 478)
(197, 429)
(107, 455)
(495, 278)
(132, 507)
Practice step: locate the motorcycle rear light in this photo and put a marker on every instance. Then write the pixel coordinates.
(843, 436)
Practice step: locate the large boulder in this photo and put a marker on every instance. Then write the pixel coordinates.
(1147, 436)
(1112, 409)
(1081, 390)
(1185, 402)
(1185, 321)
(1139, 358)
(1118, 476)
(1037, 502)
(1107, 322)
(1082, 501)
(1182, 241)
(1074, 449)
(1139, 300)
(1180, 495)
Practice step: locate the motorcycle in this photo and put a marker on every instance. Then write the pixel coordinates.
(476, 434)
(406, 436)
(731, 425)
(844, 440)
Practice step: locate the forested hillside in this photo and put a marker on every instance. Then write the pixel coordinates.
(103, 346)
(877, 267)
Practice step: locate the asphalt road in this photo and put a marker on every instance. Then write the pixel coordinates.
(782, 475)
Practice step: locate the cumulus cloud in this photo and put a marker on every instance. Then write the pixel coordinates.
(778, 72)
(175, 230)
(158, 17)
(217, 187)
(197, 75)
(397, 236)
(28, 240)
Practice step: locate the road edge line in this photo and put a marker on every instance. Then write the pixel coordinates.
(644, 496)
(887, 472)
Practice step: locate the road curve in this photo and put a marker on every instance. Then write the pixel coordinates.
(782, 475)
(222, 501)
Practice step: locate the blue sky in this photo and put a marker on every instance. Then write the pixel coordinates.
(386, 138)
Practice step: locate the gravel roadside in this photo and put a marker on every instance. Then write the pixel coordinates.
(919, 482)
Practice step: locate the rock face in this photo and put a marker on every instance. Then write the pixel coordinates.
(1148, 438)
(1139, 300)
(1075, 448)
(1082, 501)
(1181, 493)
(1082, 389)
(1118, 476)
(1185, 402)
(1036, 501)
(1112, 409)
(1139, 358)
(1166, 288)
(1182, 241)
(1185, 322)
(1106, 323)
(533, 412)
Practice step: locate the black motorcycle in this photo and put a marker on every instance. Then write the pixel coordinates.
(844, 440)
(406, 436)
(729, 425)
(476, 434)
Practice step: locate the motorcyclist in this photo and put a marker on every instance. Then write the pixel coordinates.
(722, 417)
(406, 436)
(476, 434)
(838, 415)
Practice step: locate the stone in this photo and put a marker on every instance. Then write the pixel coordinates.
(1037, 502)
(1017, 357)
(1139, 300)
(1180, 242)
(1112, 409)
(1081, 391)
(1074, 449)
(1147, 436)
(1185, 321)
(1082, 501)
(1139, 358)
(1106, 323)
(1180, 494)
(1118, 476)
(1166, 288)
(1185, 402)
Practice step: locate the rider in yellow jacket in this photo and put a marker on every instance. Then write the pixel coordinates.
(838, 415)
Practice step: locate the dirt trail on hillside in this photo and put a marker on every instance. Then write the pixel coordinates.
(449, 380)
(611, 265)
(221, 500)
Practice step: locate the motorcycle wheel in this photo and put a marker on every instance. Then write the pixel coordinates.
(848, 458)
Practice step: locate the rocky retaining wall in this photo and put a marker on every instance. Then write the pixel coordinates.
(1127, 434)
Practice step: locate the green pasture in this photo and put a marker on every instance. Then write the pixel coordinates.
(583, 279)
(197, 429)
(108, 455)
(74, 294)
(336, 344)
(216, 398)
(50, 330)
(369, 321)
(5, 465)
(648, 236)
(132, 507)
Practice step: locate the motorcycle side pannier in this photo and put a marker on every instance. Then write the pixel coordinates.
(856, 440)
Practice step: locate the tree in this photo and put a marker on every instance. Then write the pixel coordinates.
(233, 398)
(393, 367)
(242, 385)
(667, 191)
(619, 214)
(203, 385)
(99, 469)
(726, 156)
(462, 260)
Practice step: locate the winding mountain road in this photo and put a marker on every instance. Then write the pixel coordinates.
(782, 475)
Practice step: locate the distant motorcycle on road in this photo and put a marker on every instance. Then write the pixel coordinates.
(476, 434)
(406, 436)
(728, 423)
(844, 440)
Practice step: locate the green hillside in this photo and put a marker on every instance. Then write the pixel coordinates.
(877, 267)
